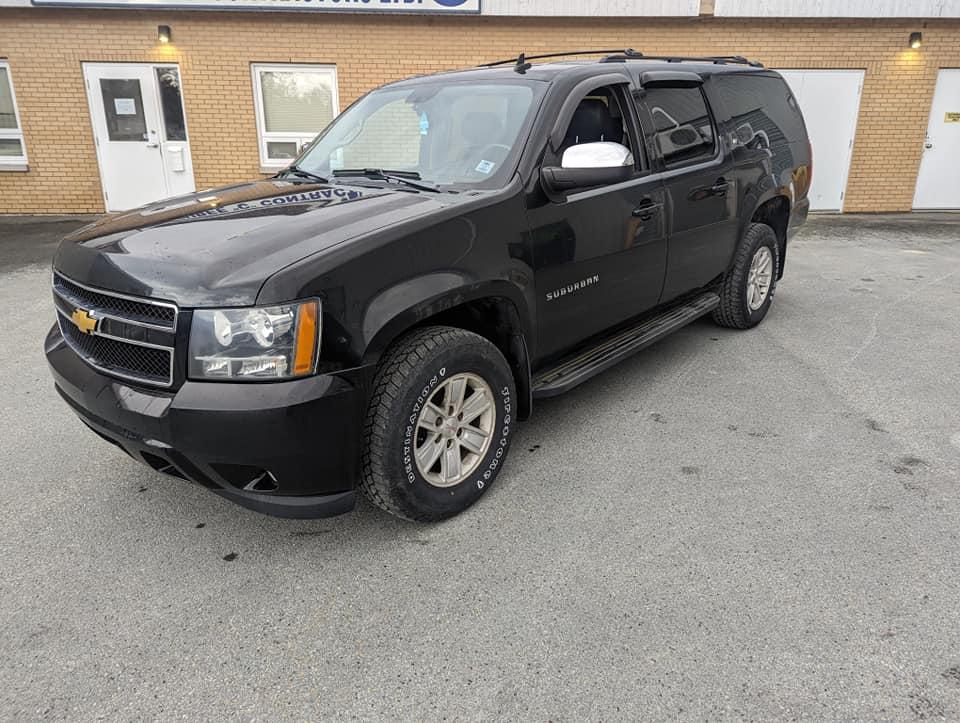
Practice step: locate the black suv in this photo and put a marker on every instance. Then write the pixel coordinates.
(381, 314)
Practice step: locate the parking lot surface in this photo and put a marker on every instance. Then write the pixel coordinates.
(760, 524)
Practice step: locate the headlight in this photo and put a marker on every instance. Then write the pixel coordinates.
(264, 342)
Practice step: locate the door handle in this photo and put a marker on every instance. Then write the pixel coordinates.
(153, 145)
(719, 187)
(646, 209)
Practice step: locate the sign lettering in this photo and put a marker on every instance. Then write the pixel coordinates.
(345, 6)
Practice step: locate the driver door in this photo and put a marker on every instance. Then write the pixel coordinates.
(599, 253)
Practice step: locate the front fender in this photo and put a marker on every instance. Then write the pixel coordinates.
(409, 303)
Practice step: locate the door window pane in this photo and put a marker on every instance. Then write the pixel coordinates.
(682, 124)
(123, 108)
(8, 114)
(10, 147)
(171, 104)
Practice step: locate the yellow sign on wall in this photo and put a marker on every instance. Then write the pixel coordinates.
(949, 117)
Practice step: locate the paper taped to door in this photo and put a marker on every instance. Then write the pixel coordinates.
(125, 106)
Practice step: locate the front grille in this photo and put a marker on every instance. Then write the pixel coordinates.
(108, 304)
(124, 351)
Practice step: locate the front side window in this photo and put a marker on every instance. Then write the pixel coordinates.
(599, 118)
(12, 149)
(447, 133)
(294, 103)
(682, 125)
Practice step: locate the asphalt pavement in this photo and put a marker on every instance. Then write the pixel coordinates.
(758, 524)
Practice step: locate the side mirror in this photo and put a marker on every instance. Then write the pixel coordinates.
(745, 134)
(587, 165)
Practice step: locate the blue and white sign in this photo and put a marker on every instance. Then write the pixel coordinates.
(344, 6)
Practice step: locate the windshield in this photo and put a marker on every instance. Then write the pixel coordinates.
(448, 133)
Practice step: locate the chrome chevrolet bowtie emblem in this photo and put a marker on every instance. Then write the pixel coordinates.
(84, 321)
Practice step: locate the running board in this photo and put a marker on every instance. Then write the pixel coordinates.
(586, 363)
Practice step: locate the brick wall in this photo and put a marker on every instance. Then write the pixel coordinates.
(45, 49)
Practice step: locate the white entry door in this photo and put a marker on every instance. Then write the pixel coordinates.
(938, 184)
(830, 101)
(140, 131)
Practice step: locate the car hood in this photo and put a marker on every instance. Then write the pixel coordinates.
(217, 247)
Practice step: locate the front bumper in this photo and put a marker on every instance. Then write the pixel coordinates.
(289, 449)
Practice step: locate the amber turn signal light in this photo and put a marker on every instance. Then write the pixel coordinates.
(306, 346)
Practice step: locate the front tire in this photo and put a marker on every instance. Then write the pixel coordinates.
(748, 289)
(438, 425)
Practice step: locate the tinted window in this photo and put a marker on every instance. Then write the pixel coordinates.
(760, 105)
(681, 123)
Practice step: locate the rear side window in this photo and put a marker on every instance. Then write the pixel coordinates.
(761, 105)
(681, 123)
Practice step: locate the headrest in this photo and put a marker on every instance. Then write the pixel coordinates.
(592, 122)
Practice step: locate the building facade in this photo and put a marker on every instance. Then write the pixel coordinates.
(108, 104)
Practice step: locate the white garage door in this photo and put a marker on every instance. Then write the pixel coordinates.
(830, 101)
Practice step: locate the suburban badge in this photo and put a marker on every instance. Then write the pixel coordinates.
(574, 287)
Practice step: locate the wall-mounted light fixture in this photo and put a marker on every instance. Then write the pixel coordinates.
(164, 35)
(916, 40)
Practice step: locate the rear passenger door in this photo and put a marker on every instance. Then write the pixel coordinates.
(681, 131)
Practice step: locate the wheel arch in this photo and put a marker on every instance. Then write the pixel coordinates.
(496, 311)
(774, 211)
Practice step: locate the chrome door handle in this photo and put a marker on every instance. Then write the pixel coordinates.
(646, 210)
(720, 187)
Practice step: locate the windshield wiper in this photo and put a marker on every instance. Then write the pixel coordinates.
(407, 178)
(302, 173)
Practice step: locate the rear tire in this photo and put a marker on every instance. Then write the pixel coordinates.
(748, 289)
(438, 425)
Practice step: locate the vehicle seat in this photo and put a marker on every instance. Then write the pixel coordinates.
(592, 122)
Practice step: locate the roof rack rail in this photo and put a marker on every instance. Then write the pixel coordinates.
(521, 62)
(715, 59)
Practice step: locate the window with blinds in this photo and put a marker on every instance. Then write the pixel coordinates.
(13, 154)
(294, 103)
